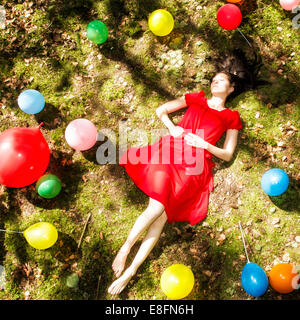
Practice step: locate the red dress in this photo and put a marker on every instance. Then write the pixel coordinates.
(165, 176)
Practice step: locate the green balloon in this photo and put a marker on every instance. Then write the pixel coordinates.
(97, 32)
(48, 186)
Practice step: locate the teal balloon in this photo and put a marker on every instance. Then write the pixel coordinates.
(48, 186)
(274, 182)
(254, 280)
(97, 32)
(31, 101)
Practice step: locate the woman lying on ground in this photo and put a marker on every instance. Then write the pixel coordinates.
(178, 192)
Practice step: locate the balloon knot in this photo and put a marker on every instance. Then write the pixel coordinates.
(41, 125)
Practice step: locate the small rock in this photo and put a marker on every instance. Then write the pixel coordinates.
(297, 239)
(272, 210)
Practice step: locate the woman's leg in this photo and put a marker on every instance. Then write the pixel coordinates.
(152, 212)
(147, 245)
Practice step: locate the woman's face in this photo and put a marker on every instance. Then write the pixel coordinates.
(220, 85)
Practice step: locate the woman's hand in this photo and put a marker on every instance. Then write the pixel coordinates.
(176, 131)
(195, 141)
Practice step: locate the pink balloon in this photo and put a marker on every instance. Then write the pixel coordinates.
(289, 4)
(81, 134)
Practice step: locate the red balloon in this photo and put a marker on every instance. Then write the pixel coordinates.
(24, 156)
(229, 16)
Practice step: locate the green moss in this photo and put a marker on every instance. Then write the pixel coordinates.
(110, 90)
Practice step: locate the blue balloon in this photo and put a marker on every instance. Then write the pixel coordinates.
(274, 182)
(31, 101)
(254, 280)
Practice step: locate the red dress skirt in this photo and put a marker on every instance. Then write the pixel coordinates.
(176, 174)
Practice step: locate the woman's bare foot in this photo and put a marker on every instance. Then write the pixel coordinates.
(119, 261)
(118, 286)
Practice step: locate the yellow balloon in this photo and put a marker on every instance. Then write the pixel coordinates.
(41, 235)
(177, 281)
(161, 22)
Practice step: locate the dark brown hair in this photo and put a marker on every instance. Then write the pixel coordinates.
(242, 73)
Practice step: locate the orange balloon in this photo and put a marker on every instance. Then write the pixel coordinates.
(234, 1)
(283, 278)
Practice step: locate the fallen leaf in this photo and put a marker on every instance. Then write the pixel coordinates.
(96, 255)
(84, 178)
(207, 273)
(221, 237)
(177, 230)
(275, 221)
(242, 257)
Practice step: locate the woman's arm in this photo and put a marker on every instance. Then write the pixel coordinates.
(224, 153)
(168, 107)
(227, 151)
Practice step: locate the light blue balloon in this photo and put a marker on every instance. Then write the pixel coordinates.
(274, 182)
(31, 101)
(254, 280)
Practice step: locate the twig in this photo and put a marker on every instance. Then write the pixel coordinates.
(86, 222)
(98, 286)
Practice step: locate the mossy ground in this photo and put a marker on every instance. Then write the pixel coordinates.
(44, 46)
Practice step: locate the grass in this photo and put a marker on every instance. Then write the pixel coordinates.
(126, 78)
